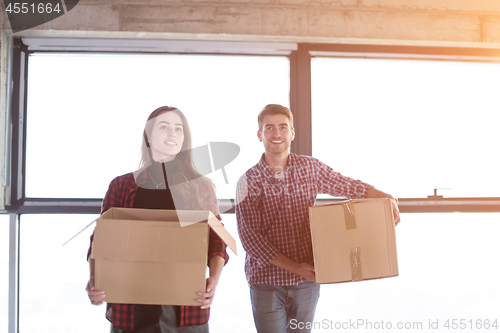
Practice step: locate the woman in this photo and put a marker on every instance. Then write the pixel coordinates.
(167, 179)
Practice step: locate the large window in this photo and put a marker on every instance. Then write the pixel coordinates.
(406, 127)
(84, 127)
(84, 124)
(447, 270)
(409, 127)
(53, 277)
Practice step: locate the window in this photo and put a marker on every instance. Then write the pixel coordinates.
(446, 271)
(86, 122)
(408, 127)
(53, 277)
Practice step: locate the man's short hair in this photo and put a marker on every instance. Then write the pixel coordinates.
(273, 109)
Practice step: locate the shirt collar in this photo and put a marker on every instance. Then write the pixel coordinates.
(267, 170)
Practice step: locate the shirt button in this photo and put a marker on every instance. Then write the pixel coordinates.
(291, 224)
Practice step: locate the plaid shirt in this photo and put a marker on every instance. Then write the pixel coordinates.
(121, 193)
(272, 214)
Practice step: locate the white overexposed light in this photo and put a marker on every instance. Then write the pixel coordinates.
(408, 127)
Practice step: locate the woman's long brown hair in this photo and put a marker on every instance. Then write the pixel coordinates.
(185, 170)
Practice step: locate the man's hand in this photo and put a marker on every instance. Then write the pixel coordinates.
(303, 269)
(374, 193)
(306, 271)
(395, 211)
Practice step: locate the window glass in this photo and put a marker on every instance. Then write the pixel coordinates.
(408, 127)
(86, 113)
(4, 271)
(448, 269)
(232, 307)
(52, 277)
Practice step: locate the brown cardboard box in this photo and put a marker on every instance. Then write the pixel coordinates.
(353, 240)
(148, 256)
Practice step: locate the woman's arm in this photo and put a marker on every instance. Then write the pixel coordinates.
(217, 254)
(113, 198)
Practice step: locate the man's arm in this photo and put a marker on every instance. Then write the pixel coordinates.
(249, 221)
(337, 185)
(374, 193)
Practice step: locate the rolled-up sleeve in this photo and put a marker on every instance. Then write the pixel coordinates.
(111, 199)
(335, 184)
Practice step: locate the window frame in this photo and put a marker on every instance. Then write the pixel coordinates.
(300, 55)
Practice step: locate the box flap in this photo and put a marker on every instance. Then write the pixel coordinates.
(139, 214)
(222, 232)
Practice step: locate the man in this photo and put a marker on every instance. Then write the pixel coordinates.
(273, 223)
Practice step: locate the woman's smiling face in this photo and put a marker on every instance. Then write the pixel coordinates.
(167, 137)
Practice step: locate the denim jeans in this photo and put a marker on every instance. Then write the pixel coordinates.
(284, 309)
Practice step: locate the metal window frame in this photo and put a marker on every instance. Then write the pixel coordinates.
(300, 56)
(301, 105)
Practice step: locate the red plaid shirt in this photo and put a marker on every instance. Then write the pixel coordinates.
(272, 214)
(121, 193)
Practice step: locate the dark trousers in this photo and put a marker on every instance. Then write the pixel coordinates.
(149, 329)
(168, 324)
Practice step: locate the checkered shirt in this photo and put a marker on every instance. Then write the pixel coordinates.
(121, 193)
(272, 214)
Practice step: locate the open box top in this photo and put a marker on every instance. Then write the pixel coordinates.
(147, 256)
(126, 233)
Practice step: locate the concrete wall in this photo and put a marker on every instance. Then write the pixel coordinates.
(429, 21)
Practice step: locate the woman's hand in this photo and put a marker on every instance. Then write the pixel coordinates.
(215, 264)
(95, 296)
(207, 297)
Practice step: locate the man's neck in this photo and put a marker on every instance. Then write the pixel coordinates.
(277, 162)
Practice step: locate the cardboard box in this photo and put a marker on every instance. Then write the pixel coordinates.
(353, 240)
(149, 256)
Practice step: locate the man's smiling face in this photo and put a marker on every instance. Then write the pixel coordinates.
(276, 133)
